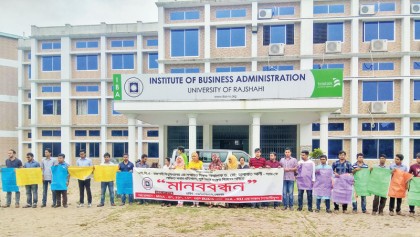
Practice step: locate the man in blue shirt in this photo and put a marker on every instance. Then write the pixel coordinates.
(84, 184)
(341, 166)
(12, 162)
(31, 190)
(356, 167)
(126, 166)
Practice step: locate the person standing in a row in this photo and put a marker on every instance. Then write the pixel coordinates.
(12, 162)
(32, 189)
(83, 161)
(46, 165)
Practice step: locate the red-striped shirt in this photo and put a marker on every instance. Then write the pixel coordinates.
(257, 163)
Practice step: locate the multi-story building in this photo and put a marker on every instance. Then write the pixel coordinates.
(8, 93)
(375, 43)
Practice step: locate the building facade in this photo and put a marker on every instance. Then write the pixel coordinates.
(8, 93)
(69, 77)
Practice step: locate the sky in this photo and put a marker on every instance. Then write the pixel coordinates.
(17, 16)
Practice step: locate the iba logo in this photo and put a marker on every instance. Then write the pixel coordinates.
(336, 82)
(133, 87)
(147, 183)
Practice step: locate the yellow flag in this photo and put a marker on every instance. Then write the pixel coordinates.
(28, 176)
(80, 172)
(105, 173)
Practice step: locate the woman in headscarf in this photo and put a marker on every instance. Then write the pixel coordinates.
(232, 164)
(195, 164)
(216, 164)
(179, 165)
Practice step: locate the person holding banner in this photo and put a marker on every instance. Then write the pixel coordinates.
(83, 161)
(195, 164)
(341, 166)
(46, 165)
(305, 179)
(109, 184)
(126, 166)
(12, 162)
(272, 163)
(181, 152)
(216, 164)
(179, 165)
(142, 163)
(256, 163)
(63, 190)
(415, 171)
(379, 202)
(242, 164)
(289, 165)
(323, 184)
(31, 190)
(357, 167)
(167, 166)
(400, 166)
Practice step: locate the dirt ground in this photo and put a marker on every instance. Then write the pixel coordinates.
(154, 220)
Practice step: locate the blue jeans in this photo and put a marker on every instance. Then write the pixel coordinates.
(363, 204)
(45, 192)
(110, 186)
(32, 192)
(9, 198)
(327, 204)
(309, 198)
(288, 186)
(130, 198)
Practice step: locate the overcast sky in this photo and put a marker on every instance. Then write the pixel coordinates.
(17, 16)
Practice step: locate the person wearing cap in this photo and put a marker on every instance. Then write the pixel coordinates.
(256, 163)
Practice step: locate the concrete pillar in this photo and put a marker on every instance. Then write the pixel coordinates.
(305, 137)
(132, 138)
(256, 131)
(162, 144)
(65, 99)
(192, 132)
(323, 134)
(207, 136)
(34, 95)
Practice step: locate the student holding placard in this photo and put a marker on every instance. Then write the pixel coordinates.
(62, 183)
(12, 162)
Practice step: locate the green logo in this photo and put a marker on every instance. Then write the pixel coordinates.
(328, 83)
(117, 86)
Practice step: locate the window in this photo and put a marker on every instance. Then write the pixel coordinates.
(94, 149)
(153, 57)
(283, 11)
(328, 32)
(51, 45)
(79, 146)
(279, 34)
(29, 135)
(50, 89)
(278, 68)
(87, 88)
(153, 133)
(378, 126)
(119, 148)
(122, 43)
(152, 42)
(29, 111)
(230, 37)
(334, 146)
(385, 7)
(94, 133)
(84, 107)
(122, 61)
(416, 147)
(416, 127)
(378, 30)
(51, 133)
(187, 15)
(329, 66)
(51, 63)
(29, 56)
(29, 95)
(185, 70)
(119, 133)
(230, 69)
(29, 72)
(372, 148)
(184, 43)
(153, 149)
(233, 13)
(381, 66)
(378, 91)
(87, 62)
(416, 90)
(328, 9)
(335, 126)
(417, 29)
(51, 107)
(80, 133)
(86, 44)
(316, 127)
(54, 146)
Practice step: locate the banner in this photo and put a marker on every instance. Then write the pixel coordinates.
(414, 192)
(124, 183)
(105, 173)
(304, 178)
(28, 176)
(379, 180)
(361, 181)
(233, 186)
(8, 180)
(323, 182)
(343, 189)
(326, 83)
(80, 172)
(59, 178)
(398, 186)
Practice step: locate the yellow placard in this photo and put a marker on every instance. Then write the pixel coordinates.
(80, 172)
(105, 173)
(28, 176)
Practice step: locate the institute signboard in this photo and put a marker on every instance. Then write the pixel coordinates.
(303, 84)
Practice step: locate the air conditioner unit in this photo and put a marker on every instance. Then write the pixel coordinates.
(378, 107)
(265, 13)
(333, 47)
(379, 45)
(415, 8)
(367, 9)
(276, 49)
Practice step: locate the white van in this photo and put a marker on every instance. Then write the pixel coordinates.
(205, 155)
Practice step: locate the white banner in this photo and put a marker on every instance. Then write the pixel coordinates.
(234, 186)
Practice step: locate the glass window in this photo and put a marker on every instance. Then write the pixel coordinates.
(381, 66)
(416, 65)
(334, 146)
(51, 63)
(51, 45)
(84, 107)
(152, 42)
(230, 13)
(230, 69)
(278, 68)
(416, 127)
(153, 57)
(185, 70)
(80, 133)
(29, 135)
(119, 148)
(416, 90)
(122, 43)
(29, 71)
(320, 9)
(316, 127)
(329, 66)
(416, 147)
(86, 44)
(153, 133)
(122, 61)
(336, 127)
(385, 6)
(417, 29)
(54, 146)
(29, 56)
(279, 34)
(94, 149)
(184, 43)
(378, 91)
(51, 107)
(378, 30)
(187, 15)
(328, 32)
(192, 15)
(284, 11)
(94, 133)
(49, 89)
(177, 16)
(372, 148)
(119, 133)
(87, 62)
(153, 149)
(336, 8)
(79, 146)
(230, 37)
